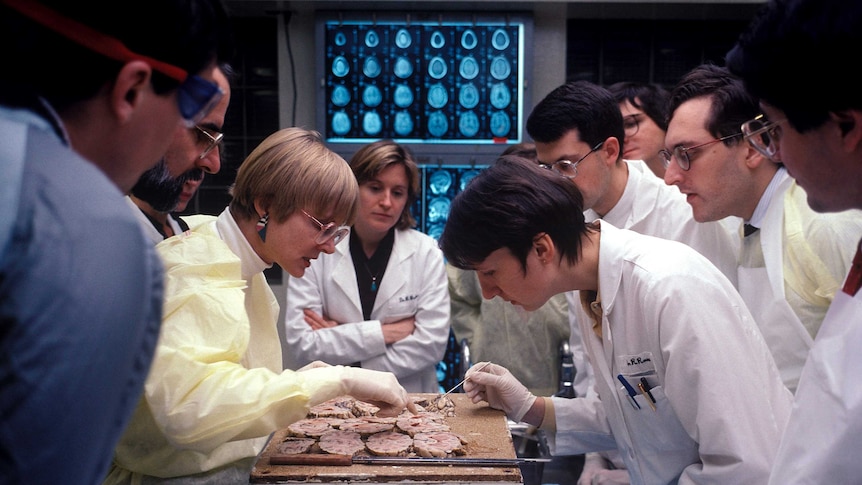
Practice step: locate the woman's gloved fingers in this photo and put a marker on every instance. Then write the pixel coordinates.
(378, 388)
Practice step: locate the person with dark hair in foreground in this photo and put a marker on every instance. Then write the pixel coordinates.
(678, 359)
(90, 96)
(580, 132)
(499, 332)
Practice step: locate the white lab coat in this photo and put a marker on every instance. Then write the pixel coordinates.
(805, 250)
(414, 283)
(649, 206)
(821, 442)
(670, 316)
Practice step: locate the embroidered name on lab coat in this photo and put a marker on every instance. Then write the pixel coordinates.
(638, 360)
(636, 364)
(402, 299)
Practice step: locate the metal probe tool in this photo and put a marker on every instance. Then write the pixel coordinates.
(462, 382)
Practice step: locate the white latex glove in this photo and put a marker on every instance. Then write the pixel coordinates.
(314, 365)
(595, 472)
(378, 388)
(499, 388)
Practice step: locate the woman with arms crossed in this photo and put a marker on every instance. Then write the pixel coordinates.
(381, 301)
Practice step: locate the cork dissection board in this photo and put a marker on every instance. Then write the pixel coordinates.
(483, 428)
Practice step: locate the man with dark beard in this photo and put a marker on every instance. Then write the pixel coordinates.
(193, 151)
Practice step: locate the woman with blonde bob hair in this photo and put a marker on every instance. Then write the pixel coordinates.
(216, 389)
(382, 300)
(316, 179)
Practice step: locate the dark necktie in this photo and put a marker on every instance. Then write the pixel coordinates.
(854, 279)
(748, 230)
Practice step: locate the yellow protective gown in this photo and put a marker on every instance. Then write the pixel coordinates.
(215, 390)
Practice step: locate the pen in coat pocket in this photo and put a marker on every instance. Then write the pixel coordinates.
(643, 385)
(630, 390)
(647, 388)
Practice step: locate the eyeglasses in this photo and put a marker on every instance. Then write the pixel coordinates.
(683, 159)
(763, 135)
(630, 125)
(211, 141)
(567, 168)
(328, 231)
(195, 96)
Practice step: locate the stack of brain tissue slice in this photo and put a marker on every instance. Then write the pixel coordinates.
(346, 426)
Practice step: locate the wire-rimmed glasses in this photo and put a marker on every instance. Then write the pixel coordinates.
(328, 231)
(631, 125)
(204, 136)
(681, 153)
(567, 168)
(763, 135)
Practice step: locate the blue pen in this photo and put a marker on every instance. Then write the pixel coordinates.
(630, 390)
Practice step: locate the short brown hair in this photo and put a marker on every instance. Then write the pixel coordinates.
(374, 157)
(290, 170)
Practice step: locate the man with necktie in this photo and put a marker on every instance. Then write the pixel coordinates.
(788, 58)
(792, 259)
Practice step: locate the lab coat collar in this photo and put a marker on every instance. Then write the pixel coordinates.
(230, 233)
(627, 211)
(610, 269)
(760, 211)
(344, 273)
(772, 223)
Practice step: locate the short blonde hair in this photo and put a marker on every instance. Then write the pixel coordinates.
(372, 158)
(291, 170)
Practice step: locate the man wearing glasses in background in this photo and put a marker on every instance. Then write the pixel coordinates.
(579, 132)
(644, 110)
(89, 99)
(170, 185)
(794, 57)
(792, 259)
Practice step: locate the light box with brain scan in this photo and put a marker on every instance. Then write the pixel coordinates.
(449, 86)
